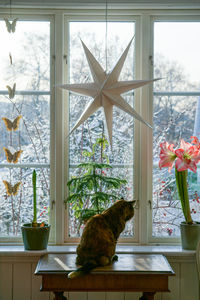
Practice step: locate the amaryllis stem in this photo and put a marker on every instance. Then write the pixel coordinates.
(181, 181)
(34, 197)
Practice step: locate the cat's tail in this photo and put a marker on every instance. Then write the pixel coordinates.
(82, 270)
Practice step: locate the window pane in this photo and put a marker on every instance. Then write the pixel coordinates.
(18, 209)
(84, 137)
(173, 119)
(177, 61)
(25, 124)
(176, 56)
(29, 47)
(33, 135)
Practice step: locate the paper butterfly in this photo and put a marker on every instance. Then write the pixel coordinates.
(12, 157)
(12, 124)
(10, 57)
(11, 91)
(11, 190)
(10, 25)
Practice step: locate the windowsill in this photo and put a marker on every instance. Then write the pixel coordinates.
(161, 249)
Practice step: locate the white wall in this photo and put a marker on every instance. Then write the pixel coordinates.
(18, 282)
(101, 3)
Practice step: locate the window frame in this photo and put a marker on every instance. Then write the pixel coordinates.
(179, 17)
(144, 20)
(93, 17)
(47, 18)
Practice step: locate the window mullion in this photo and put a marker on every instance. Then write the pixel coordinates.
(59, 140)
(145, 102)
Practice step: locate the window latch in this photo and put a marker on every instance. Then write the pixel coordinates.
(65, 58)
(136, 204)
(151, 59)
(65, 203)
(52, 204)
(150, 204)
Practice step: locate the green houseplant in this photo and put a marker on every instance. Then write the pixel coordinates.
(185, 157)
(91, 191)
(35, 235)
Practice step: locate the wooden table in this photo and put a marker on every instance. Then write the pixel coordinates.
(147, 273)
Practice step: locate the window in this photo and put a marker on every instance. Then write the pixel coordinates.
(176, 116)
(83, 140)
(46, 51)
(25, 123)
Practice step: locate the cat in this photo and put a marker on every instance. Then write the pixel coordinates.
(99, 237)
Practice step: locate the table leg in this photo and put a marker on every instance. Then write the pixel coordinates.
(59, 296)
(147, 296)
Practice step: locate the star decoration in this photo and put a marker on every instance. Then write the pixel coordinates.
(106, 90)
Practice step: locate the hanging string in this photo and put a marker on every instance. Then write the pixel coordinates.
(106, 36)
(10, 8)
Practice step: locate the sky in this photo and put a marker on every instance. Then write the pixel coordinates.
(11, 44)
(177, 41)
(180, 41)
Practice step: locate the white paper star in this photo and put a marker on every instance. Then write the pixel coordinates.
(106, 91)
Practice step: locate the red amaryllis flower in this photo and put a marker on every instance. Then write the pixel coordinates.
(187, 157)
(195, 141)
(167, 155)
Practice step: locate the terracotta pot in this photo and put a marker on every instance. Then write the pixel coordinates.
(35, 238)
(190, 235)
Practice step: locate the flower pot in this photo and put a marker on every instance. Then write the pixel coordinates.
(190, 235)
(35, 238)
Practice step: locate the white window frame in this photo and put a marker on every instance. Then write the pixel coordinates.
(144, 20)
(94, 17)
(49, 18)
(190, 16)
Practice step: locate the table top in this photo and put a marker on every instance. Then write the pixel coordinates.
(127, 263)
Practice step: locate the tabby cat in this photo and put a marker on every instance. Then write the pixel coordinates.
(99, 238)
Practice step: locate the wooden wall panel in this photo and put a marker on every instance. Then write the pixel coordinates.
(66, 294)
(77, 296)
(136, 296)
(96, 296)
(114, 296)
(22, 278)
(35, 286)
(188, 282)
(6, 281)
(132, 296)
(158, 296)
(51, 296)
(18, 282)
(174, 284)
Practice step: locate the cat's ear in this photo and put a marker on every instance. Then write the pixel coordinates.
(134, 202)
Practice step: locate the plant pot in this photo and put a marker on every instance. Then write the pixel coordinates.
(190, 235)
(35, 238)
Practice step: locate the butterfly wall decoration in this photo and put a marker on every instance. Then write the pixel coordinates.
(12, 125)
(11, 25)
(10, 58)
(11, 189)
(12, 157)
(11, 91)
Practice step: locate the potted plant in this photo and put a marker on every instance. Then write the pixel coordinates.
(35, 235)
(92, 190)
(185, 157)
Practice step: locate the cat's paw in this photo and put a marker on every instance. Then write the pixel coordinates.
(104, 261)
(115, 257)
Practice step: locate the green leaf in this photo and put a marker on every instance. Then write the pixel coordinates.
(94, 165)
